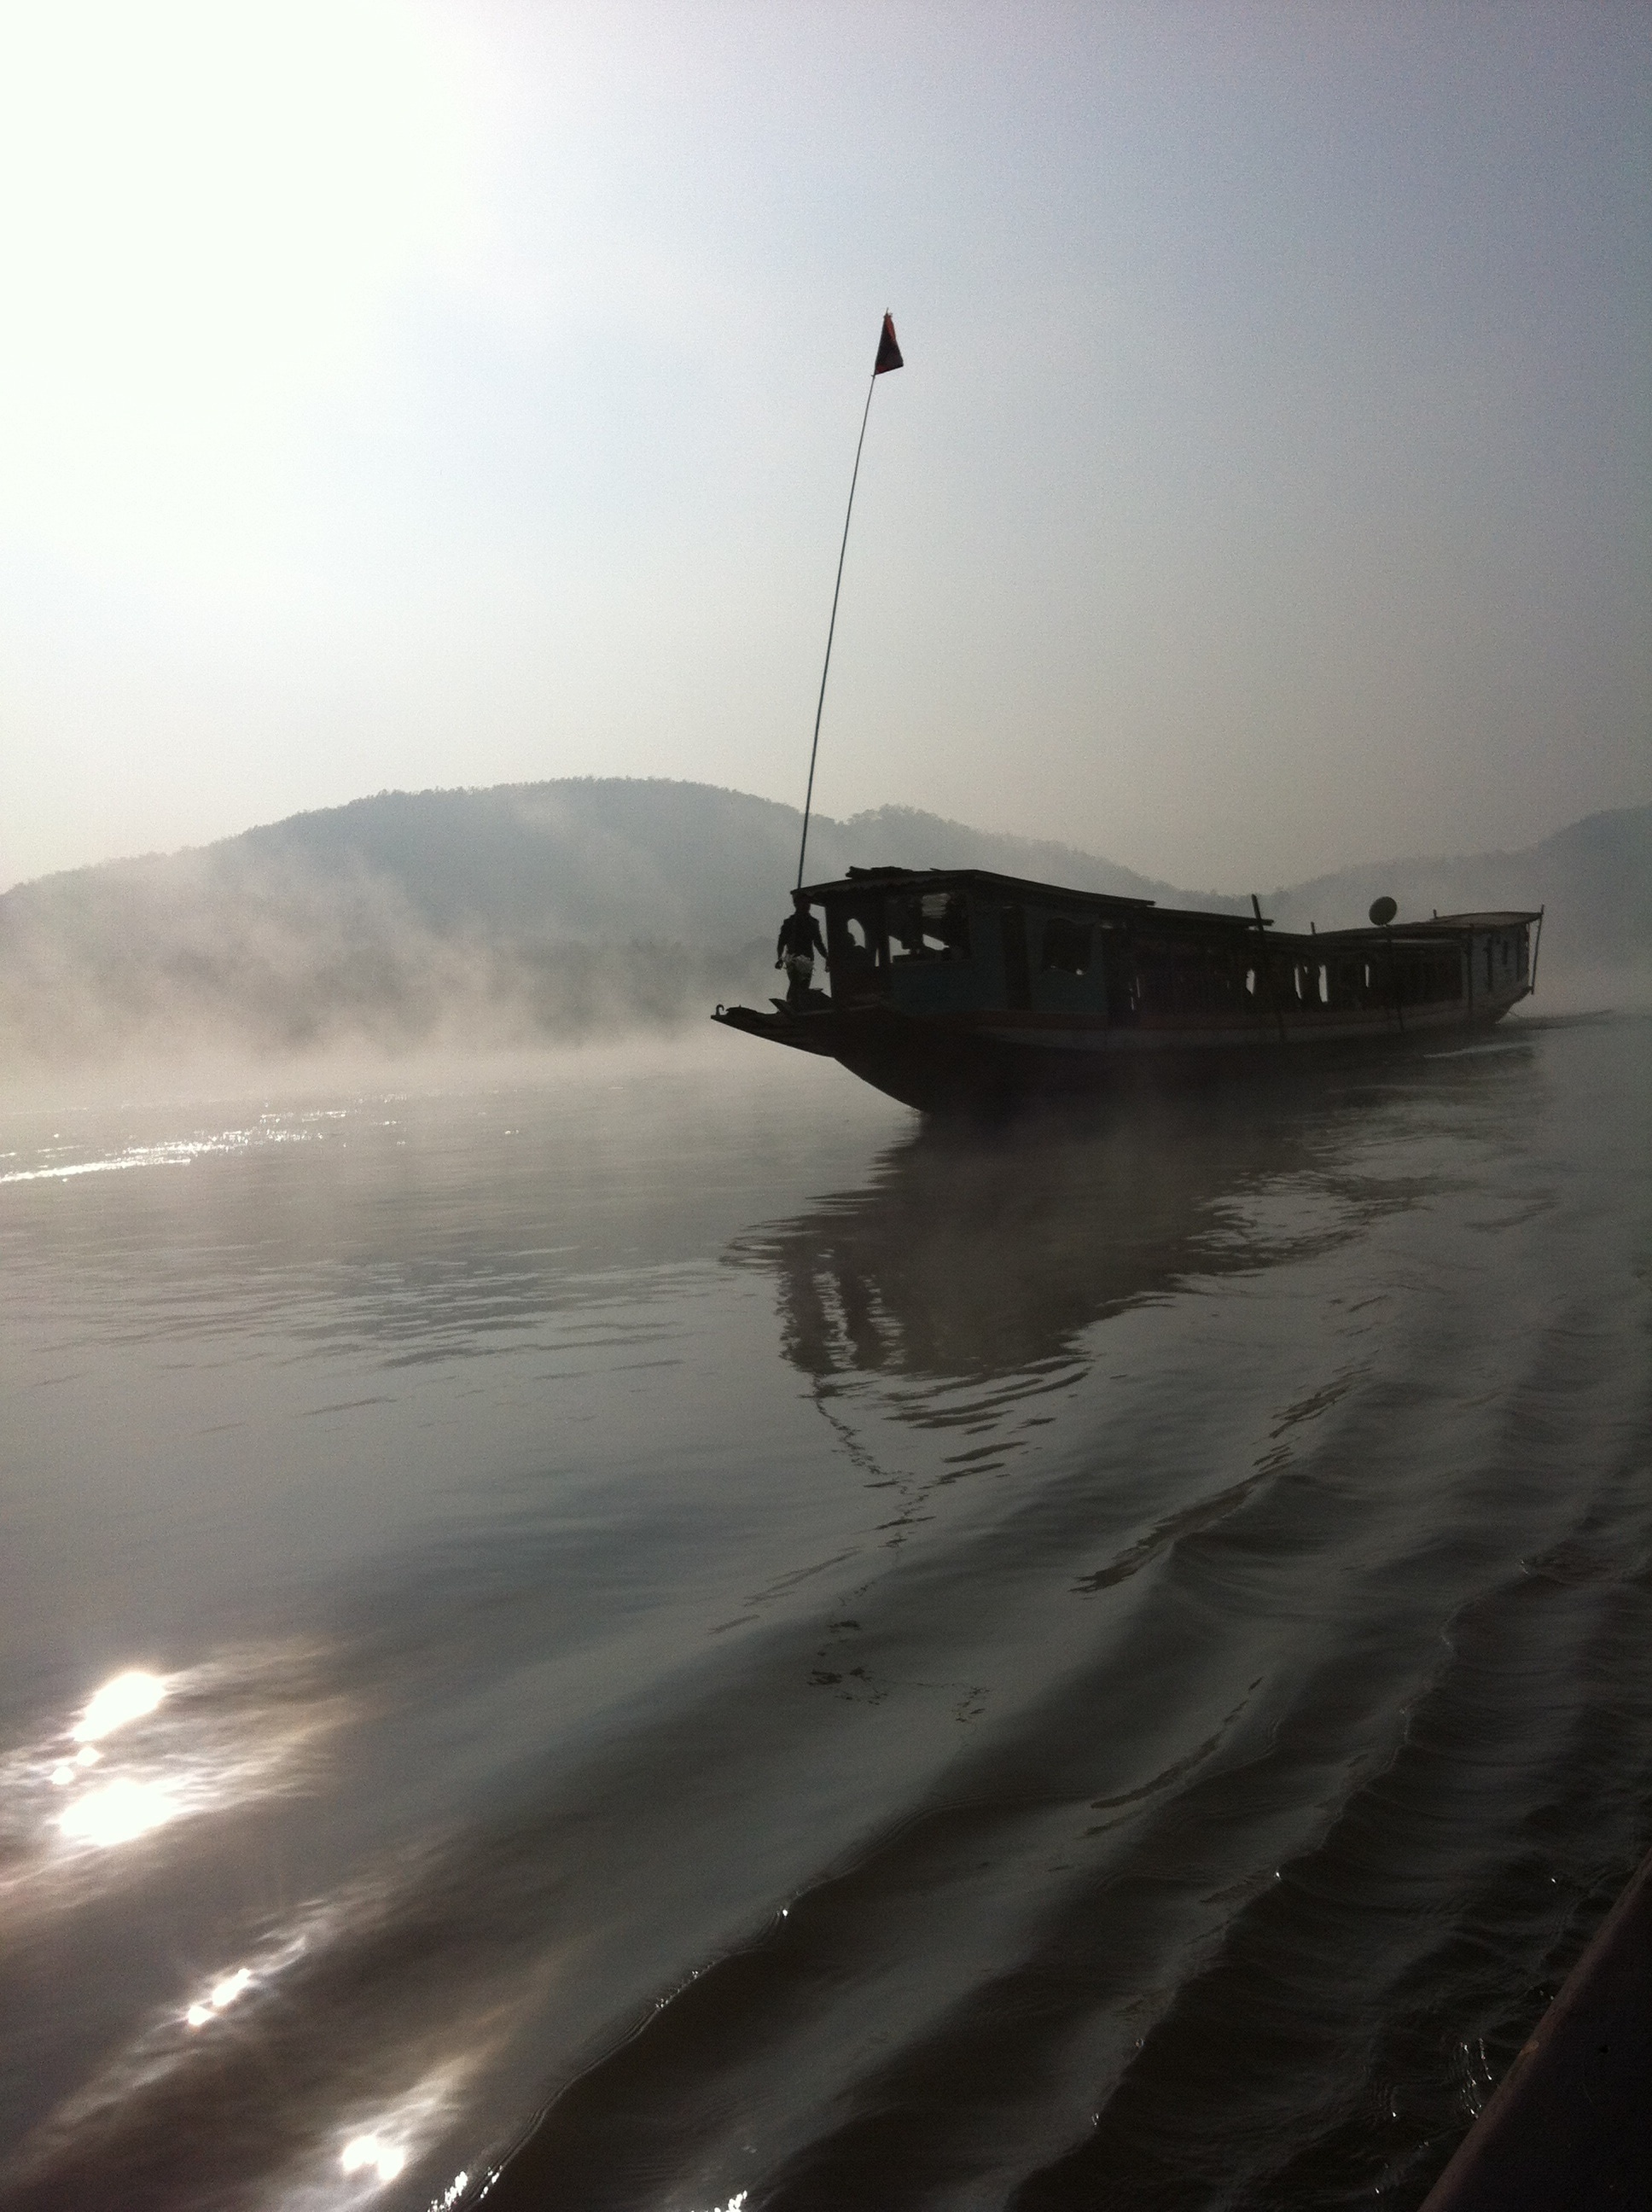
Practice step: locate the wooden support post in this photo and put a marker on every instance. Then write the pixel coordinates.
(1265, 968)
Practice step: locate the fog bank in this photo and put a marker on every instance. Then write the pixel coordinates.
(559, 912)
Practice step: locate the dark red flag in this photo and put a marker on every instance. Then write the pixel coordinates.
(889, 350)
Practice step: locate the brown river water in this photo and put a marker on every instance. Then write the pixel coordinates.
(647, 1632)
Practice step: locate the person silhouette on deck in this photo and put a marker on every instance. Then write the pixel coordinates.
(795, 949)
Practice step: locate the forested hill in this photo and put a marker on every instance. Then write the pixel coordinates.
(1594, 878)
(613, 860)
(576, 907)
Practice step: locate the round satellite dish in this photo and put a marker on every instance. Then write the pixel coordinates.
(1384, 911)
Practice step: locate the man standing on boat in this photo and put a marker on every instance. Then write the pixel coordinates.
(795, 949)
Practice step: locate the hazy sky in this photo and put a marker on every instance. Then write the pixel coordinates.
(400, 395)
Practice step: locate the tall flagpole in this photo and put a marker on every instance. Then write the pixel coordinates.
(888, 357)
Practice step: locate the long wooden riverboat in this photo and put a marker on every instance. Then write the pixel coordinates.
(956, 988)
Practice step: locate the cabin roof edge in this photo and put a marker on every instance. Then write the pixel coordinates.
(898, 879)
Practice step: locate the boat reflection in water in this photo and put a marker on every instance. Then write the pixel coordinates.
(973, 1263)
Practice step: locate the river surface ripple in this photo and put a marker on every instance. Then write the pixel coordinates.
(652, 1635)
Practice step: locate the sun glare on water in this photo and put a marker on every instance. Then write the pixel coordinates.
(117, 1813)
(222, 1994)
(363, 2152)
(123, 1698)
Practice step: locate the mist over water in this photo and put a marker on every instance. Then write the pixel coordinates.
(646, 1625)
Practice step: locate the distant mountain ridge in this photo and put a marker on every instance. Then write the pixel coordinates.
(565, 909)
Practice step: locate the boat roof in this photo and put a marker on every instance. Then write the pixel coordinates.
(1441, 927)
(936, 879)
(1495, 917)
(1446, 925)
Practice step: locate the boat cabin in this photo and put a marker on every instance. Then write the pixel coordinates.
(968, 942)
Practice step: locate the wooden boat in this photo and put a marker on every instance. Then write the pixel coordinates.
(958, 987)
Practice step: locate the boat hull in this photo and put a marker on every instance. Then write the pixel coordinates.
(997, 1061)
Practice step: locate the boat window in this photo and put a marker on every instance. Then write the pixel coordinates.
(1183, 978)
(1067, 947)
(928, 926)
(1017, 984)
(1207, 982)
(1154, 980)
(1425, 978)
(946, 918)
(1349, 983)
(852, 933)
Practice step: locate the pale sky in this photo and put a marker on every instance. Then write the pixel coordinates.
(398, 395)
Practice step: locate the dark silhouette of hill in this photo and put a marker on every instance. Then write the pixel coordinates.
(582, 907)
